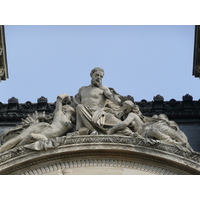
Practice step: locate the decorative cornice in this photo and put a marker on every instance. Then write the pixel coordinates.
(64, 166)
(89, 145)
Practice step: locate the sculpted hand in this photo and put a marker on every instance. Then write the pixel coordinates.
(62, 96)
(65, 97)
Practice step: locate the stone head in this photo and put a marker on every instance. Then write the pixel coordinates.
(128, 105)
(66, 100)
(163, 117)
(155, 116)
(97, 74)
(68, 109)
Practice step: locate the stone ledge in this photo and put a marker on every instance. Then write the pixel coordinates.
(20, 158)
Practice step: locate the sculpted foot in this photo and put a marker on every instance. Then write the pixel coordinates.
(83, 131)
(94, 133)
(140, 137)
(73, 133)
(131, 134)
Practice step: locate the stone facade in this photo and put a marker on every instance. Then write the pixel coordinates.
(100, 155)
(3, 57)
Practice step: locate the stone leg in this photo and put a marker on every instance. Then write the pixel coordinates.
(10, 143)
(111, 120)
(26, 140)
(31, 138)
(83, 118)
(174, 135)
(37, 136)
(155, 133)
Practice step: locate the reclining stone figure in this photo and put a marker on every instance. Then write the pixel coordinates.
(42, 130)
(157, 127)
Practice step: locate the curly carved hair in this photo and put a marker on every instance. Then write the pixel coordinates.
(95, 70)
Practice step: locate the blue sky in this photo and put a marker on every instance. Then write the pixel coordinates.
(141, 61)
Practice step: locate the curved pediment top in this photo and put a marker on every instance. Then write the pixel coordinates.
(73, 146)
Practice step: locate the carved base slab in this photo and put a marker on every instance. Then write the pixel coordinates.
(100, 155)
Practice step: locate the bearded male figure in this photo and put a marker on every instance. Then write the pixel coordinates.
(91, 112)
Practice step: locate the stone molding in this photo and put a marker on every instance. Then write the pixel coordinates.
(63, 167)
(18, 160)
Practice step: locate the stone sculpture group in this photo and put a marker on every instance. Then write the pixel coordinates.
(95, 110)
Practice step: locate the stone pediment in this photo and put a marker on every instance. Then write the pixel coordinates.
(103, 154)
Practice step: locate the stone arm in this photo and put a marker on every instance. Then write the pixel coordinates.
(122, 124)
(111, 96)
(77, 97)
(59, 101)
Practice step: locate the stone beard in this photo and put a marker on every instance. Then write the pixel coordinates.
(97, 79)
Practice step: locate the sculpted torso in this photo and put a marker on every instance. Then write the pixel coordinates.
(93, 97)
(59, 126)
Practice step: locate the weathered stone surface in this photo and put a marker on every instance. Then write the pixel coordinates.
(101, 171)
(38, 128)
(103, 151)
